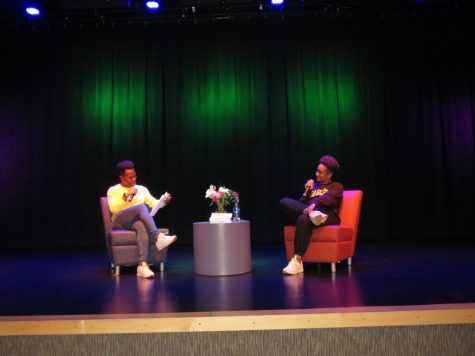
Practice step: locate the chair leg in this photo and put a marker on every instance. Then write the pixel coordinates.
(162, 266)
(349, 261)
(333, 267)
(112, 269)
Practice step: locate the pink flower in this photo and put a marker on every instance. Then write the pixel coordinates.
(216, 196)
(222, 197)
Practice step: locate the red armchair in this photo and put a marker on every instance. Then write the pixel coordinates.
(332, 243)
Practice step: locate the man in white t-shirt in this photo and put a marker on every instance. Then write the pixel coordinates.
(129, 203)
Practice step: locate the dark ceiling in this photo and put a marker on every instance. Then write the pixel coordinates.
(64, 13)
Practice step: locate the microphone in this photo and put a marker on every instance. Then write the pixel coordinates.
(308, 188)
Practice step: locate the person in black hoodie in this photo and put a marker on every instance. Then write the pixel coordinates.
(318, 205)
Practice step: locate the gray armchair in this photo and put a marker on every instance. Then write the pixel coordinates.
(122, 244)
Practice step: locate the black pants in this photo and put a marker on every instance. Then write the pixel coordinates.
(304, 226)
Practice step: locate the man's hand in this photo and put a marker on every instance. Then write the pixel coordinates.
(130, 194)
(132, 191)
(166, 197)
(308, 209)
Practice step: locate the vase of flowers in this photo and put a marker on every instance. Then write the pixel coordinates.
(222, 198)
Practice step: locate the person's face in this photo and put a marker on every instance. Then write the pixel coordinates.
(323, 174)
(129, 178)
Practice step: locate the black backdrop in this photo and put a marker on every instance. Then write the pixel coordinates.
(251, 105)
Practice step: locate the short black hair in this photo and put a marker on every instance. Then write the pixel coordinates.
(123, 165)
(330, 162)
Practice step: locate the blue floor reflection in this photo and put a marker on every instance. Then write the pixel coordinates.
(383, 274)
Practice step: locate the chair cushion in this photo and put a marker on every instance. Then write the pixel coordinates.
(122, 238)
(328, 233)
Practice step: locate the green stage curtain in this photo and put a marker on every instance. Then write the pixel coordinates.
(251, 105)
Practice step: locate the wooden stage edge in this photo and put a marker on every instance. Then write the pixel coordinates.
(238, 320)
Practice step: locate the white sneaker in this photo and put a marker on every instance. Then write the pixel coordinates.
(317, 217)
(145, 271)
(294, 267)
(164, 240)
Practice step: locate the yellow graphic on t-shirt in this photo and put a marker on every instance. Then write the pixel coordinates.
(318, 192)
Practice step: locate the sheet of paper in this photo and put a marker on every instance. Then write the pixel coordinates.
(159, 205)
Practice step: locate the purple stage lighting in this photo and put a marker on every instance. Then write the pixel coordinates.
(152, 5)
(276, 2)
(32, 11)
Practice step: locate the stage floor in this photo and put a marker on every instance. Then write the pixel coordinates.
(79, 282)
